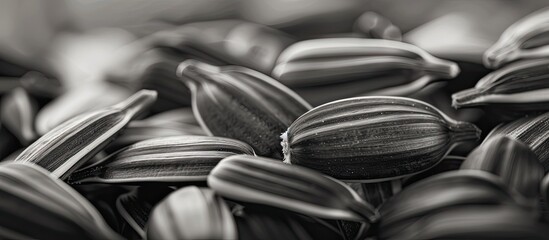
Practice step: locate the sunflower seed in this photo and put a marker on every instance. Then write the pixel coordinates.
(191, 213)
(36, 205)
(72, 143)
(240, 103)
(167, 159)
(443, 191)
(525, 39)
(372, 139)
(510, 159)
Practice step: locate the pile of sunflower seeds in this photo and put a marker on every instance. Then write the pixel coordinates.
(199, 136)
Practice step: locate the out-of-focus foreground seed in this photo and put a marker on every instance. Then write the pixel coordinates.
(373, 138)
(475, 222)
(167, 159)
(440, 192)
(243, 104)
(36, 205)
(191, 213)
(513, 161)
(72, 143)
(532, 130)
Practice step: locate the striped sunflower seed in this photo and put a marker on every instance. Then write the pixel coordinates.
(78, 100)
(525, 39)
(264, 181)
(239, 103)
(513, 91)
(338, 60)
(35, 205)
(513, 161)
(443, 191)
(532, 130)
(475, 222)
(167, 159)
(191, 213)
(372, 139)
(69, 145)
(18, 112)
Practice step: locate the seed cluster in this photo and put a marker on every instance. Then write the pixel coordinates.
(234, 130)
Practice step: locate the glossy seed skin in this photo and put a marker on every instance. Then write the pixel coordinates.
(268, 182)
(176, 159)
(71, 144)
(35, 205)
(243, 104)
(373, 139)
(513, 161)
(382, 67)
(191, 213)
(514, 91)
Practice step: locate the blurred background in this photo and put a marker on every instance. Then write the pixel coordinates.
(75, 40)
(58, 49)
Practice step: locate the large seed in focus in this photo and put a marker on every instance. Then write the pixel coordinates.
(373, 138)
(440, 192)
(243, 104)
(513, 161)
(474, 222)
(18, 113)
(369, 61)
(532, 130)
(72, 143)
(191, 213)
(516, 90)
(167, 159)
(525, 39)
(36, 205)
(268, 182)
